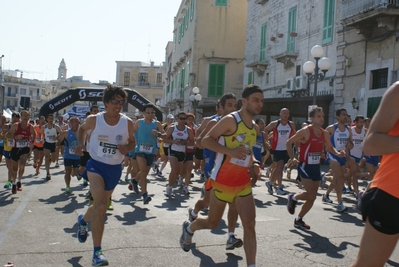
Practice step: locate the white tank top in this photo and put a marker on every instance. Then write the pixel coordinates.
(105, 138)
(357, 139)
(284, 132)
(49, 134)
(179, 135)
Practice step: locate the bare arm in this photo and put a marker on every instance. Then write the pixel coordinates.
(190, 140)
(329, 147)
(302, 135)
(377, 141)
(270, 126)
(88, 124)
(63, 136)
(11, 132)
(208, 127)
(131, 141)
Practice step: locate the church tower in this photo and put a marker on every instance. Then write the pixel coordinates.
(62, 71)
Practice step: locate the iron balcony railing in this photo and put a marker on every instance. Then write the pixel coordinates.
(351, 8)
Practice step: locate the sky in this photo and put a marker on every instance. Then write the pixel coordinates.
(89, 34)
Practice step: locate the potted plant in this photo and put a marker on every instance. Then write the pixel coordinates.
(280, 35)
(272, 38)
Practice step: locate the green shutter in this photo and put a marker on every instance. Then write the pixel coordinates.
(192, 5)
(167, 88)
(249, 77)
(173, 85)
(179, 37)
(221, 3)
(186, 17)
(188, 73)
(182, 25)
(372, 105)
(262, 56)
(216, 80)
(291, 28)
(328, 21)
(182, 78)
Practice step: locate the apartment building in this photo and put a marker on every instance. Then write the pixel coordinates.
(145, 78)
(368, 53)
(207, 52)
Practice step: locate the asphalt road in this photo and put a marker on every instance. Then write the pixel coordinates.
(38, 228)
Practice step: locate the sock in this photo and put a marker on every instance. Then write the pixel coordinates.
(97, 249)
(145, 195)
(82, 222)
(163, 166)
(193, 213)
(327, 195)
(189, 229)
(293, 198)
(229, 234)
(298, 218)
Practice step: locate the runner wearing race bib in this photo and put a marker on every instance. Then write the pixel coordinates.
(110, 140)
(50, 133)
(8, 145)
(71, 160)
(23, 134)
(146, 130)
(38, 152)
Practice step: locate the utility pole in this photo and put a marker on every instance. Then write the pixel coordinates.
(2, 88)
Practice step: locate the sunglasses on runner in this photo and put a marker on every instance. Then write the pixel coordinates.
(116, 102)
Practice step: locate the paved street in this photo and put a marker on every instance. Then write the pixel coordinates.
(38, 228)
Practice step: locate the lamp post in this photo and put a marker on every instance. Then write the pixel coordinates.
(195, 98)
(136, 114)
(322, 63)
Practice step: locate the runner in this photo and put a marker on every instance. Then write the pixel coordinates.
(230, 182)
(111, 138)
(178, 136)
(312, 140)
(146, 131)
(71, 160)
(8, 145)
(23, 134)
(164, 147)
(50, 133)
(60, 149)
(3, 123)
(282, 129)
(356, 153)
(188, 160)
(341, 139)
(380, 204)
(227, 104)
(38, 152)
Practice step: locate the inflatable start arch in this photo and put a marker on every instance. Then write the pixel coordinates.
(89, 94)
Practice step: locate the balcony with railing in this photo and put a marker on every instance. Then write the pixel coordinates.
(367, 14)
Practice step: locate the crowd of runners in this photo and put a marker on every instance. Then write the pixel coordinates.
(228, 150)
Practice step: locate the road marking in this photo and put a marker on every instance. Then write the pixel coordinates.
(17, 213)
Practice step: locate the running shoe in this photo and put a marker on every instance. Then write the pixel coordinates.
(14, 189)
(168, 192)
(280, 192)
(134, 186)
(8, 185)
(109, 205)
(88, 195)
(267, 174)
(269, 186)
(154, 168)
(99, 259)
(147, 199)
(341, 208)
(85, 183)
(68, 190)
(345, 190)
(326, 199)
(291, 204)
(19, 186)
(191, 218)
(185, 238)
(301, 224)
(185, 190)
(37, 170)
(233, 242)
(48, 177)
(127, 178)
(57, 165)
(79, 176)
(82, 230)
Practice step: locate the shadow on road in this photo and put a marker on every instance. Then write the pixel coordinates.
(75, 261)
(231, 261)
(138, 214)
(5, 198)
(321, 244)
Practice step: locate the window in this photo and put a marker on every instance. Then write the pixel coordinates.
(159, 78)
(143, 78)
(267, 78)
(23, 91)
(192, 5)
(8, 103)
(126, 79)
(291, 28)
(328, 21)
(188, 73)
(250, 77)
(216, 79)
(220, 2)
(380, 78)
(263, 42)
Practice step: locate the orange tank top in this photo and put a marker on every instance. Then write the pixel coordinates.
(37, 142)
(387, 175)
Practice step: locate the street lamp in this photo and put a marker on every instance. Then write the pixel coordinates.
(136, 113)
(322, 63)
(195, 98)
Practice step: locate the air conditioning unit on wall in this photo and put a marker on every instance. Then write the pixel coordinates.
(290, 84)
(300, 82)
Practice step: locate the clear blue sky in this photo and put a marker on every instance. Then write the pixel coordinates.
(89, 34)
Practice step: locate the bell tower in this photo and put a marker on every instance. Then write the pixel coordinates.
(62, 71)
